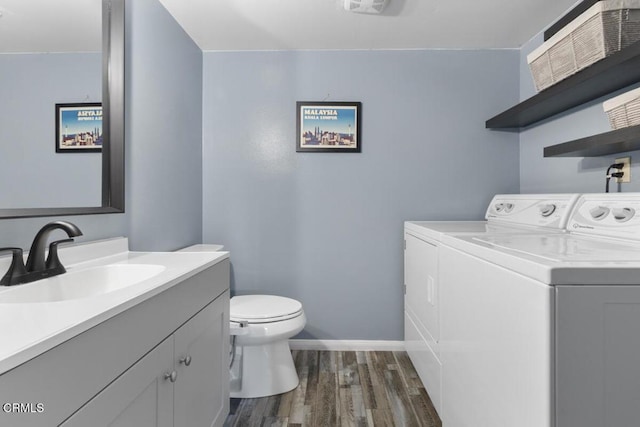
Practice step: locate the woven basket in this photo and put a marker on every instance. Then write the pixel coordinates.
(604, 29)
(624, 110)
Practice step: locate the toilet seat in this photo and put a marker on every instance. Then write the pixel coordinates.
(263, 309)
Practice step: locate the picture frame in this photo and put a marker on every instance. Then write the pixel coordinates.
(79, 127)
(328, 127)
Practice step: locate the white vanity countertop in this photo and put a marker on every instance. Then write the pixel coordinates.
(30, 329)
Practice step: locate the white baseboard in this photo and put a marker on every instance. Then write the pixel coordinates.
(346, 345)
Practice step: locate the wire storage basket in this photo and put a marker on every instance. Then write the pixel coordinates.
(602, 30)
(623, 110)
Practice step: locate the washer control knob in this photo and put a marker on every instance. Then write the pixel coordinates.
(599, 212)
(499, 207)
(624, 214)
(547, 210)
(508, 207)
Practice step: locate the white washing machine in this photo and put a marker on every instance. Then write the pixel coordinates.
(544, 329)
(506, 214)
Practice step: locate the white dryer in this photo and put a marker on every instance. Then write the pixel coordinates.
(543, 330)
(506, 214)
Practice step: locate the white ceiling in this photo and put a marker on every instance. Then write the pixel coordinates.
(74, 25)
(50, 25)
(324, 24)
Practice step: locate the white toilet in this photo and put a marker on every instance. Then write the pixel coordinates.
(261, 326)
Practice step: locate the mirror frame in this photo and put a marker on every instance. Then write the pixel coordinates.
(113, 28)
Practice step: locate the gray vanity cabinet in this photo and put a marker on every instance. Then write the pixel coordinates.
(181, 382)
(115, 373)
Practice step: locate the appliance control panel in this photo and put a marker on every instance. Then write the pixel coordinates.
(539, 210)
(608, 214)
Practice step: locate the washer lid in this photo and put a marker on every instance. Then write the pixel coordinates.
(564, 247)
(261, 307)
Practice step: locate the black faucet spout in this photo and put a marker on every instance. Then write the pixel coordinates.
(36, 261)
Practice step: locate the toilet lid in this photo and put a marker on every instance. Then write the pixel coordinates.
(261, 308)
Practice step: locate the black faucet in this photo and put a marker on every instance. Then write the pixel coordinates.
(37, 268)
(36, 261)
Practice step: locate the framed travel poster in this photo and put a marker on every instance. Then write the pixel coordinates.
(78, 128)
(328, 127)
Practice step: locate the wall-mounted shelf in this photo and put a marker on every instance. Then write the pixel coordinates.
(608, 75)
(604, 77)
(616, 141)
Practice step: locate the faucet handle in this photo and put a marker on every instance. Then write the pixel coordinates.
(53, 262)
(16, 269)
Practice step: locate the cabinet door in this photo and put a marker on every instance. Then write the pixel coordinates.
(140, 397)
(421, 278)
(202, 364)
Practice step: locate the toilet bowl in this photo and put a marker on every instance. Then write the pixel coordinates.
(261, 326)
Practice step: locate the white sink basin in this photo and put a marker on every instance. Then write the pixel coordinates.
(86, 283)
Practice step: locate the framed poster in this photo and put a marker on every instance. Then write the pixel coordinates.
(328, 127)
(78, 127)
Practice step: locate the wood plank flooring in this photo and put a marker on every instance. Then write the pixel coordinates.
(344, 388)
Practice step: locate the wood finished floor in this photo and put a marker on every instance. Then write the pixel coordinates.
(344, 388)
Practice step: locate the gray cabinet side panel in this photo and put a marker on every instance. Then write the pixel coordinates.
(597, 356)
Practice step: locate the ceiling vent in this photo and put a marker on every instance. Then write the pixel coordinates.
(365, 6)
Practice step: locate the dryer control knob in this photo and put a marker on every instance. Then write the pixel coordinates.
(547, 210)
(599, 212)
(508, 207)
(499, 207)
(624, 214)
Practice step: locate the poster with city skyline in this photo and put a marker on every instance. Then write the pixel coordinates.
(328, 127)
(79, 127)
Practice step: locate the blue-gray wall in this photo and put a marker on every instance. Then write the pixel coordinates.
(163, 130)
(211, 157)
(45, 79)
(326, 228)
(30, 86)
(163, 142)
(573, 174)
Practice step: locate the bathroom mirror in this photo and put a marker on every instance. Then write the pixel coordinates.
(79, 183)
